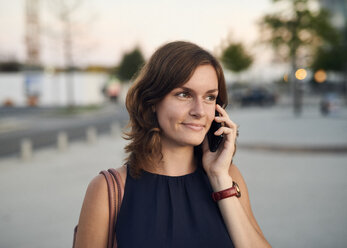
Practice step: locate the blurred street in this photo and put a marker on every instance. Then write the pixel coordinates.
(298, 195)
(42, 125)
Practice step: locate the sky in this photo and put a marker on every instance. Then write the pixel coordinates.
(106, 29)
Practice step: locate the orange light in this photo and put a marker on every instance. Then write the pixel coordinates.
(320, 76)
(285, 77)
(301, 74)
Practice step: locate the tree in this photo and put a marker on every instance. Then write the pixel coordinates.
(235, 58)
(330, 58)
(295, 33)
(130, 64)
(10, 66)
(333, 58)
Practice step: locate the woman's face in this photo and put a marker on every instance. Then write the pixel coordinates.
(186, 113)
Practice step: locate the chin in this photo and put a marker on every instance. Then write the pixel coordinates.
(194, 141)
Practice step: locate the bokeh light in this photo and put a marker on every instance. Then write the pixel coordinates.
(320, 76)
(301, 74)
(285, 77)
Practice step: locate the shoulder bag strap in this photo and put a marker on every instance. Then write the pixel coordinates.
(112, 206)
(120, 189)
(119, 198)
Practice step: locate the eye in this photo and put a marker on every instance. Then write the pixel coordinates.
(211, 98)
(183, 94)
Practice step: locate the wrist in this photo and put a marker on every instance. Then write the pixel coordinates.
(226, 193)
(219, 183)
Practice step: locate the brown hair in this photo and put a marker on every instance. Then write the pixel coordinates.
(171, 66)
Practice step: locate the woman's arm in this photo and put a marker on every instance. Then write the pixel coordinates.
(237, 213)
(94, 217)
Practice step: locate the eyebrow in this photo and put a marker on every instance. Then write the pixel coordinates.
(189, 89)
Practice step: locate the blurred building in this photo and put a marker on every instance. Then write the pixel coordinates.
(338, 9)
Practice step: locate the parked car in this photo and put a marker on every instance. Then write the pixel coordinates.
(258, 96)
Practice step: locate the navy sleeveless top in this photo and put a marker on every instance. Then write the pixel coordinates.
(170, 211)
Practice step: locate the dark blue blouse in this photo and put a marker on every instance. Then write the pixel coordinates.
(170, 211)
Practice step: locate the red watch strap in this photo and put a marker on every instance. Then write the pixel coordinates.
(233, 191)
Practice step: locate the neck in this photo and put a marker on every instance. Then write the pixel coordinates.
(177, 161)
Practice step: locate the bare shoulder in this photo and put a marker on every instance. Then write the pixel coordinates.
(97, 192)
(123, 173)
(94, 217)
(97, 185)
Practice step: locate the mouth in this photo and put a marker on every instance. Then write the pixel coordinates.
(194, 126)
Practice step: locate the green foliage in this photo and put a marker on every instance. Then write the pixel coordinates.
(235, 58)
(331, 57)
(130, 64)
(297, 30)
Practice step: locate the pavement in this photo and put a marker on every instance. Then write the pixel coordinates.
(299, 197)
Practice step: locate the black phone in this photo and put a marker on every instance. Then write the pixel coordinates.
(213, 140)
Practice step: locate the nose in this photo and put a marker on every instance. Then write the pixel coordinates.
(197, 108)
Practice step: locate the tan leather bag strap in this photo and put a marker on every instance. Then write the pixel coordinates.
(119, 191)
(115, 193)
(119, 198)
(111, 206)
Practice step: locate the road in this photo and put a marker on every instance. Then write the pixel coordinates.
(42, 126)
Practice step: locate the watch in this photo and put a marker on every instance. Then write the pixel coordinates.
(233, 191)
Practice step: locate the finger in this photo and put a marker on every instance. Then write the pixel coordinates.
(227, 130)
(222, 111)
(225, 115)
(226, 121)
(223, 130)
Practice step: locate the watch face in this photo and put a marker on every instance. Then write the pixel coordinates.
(237, 189)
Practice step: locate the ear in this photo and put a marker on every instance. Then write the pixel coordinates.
(153, 108)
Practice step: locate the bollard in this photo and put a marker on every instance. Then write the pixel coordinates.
(115, 129)
(91, 135)
(62, 141)
(26, 149)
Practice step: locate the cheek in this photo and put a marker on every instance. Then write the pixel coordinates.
(169, 116)
(210, 117)
(211, 113)
(175, 116)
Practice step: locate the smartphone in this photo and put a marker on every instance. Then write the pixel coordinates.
(213, 140)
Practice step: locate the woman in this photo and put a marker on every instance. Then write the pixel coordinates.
(170, 173)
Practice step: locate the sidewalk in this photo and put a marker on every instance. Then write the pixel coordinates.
(41, 199)
(277, 127)
(299, 199)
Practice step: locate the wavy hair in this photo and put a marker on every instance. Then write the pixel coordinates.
(171, 66)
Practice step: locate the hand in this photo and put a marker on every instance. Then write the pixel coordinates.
(217, 163)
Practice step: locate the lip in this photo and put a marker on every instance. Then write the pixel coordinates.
(194, 126)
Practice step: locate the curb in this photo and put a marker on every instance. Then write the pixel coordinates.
(334, 149)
